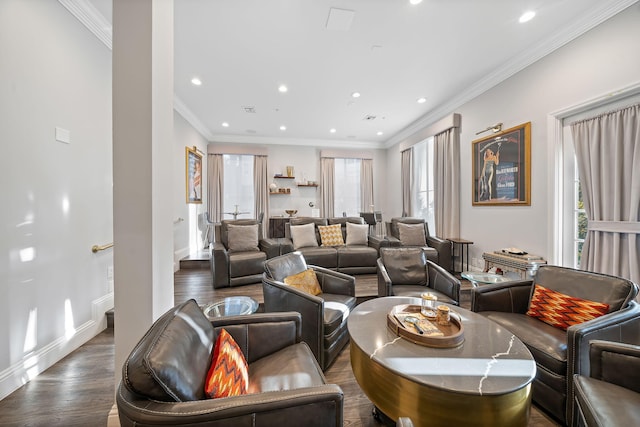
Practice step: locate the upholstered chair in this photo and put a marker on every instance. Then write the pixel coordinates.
(324, 311)
(408, 272)
(165, 377)
(407, 231)
(550, 315)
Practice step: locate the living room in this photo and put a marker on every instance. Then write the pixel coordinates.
(59, 197)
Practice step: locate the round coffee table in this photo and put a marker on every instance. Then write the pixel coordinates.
(231, 306)
(484, 381)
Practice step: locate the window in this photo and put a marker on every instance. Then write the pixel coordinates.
(347, 187)
(423, 197)
(238, 186)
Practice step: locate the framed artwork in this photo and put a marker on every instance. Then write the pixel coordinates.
(194, 175)
(502, 168)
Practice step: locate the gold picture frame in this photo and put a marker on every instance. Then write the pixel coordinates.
(193, 167)
(502, 168)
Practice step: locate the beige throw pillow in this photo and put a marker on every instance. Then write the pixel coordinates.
(243, 238)
(357, 234)
(303, 235)
(412, 234)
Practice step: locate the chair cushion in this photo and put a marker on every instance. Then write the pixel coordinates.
(357, 234)
(412, 234)
(606, 404)
(246, 263)
(243, 238)
(331, 235)
(336, 310)
(562, 311)
(303, 235)
(229, 372)
(357, 256)
(171, 361)
(405, 266)
(306, 281)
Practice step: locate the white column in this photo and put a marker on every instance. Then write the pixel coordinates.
(142, 163)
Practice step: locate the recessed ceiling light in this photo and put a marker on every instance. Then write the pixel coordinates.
(415, 1)
(225, 124)
(196, 81)
(527, 16)
(332, 130)
(380, 133)
(282, 88)
(283, 127)
(422, 100)
(355, 94)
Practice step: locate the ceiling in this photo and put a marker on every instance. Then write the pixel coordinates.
(390, 51)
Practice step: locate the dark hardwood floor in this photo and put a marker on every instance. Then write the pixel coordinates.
(79, 390)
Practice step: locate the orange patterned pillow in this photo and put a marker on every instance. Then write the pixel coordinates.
(331, 235)
(229, 372)
(307, 281)
(562, 310)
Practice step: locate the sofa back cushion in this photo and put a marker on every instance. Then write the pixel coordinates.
(611, 290)
(285, 265)
(171, 361)
(405, 266)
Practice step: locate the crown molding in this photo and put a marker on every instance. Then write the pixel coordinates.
(586, 22)
(193, 120)
(91, 18)
(270, 140)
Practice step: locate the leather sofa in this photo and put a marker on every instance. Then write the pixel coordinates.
(163, 378)
(348, 258)
(407, 272)
(437, 249)
(559, 354)
(324, 316)
(236, 263)
(610, 394)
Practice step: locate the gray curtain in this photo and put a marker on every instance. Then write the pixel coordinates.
(366, 184)
(215, 186)
(608, 159)
(261, 191)
(406, 169)
(447, 183)
(327, 167)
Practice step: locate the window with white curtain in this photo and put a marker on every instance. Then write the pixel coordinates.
(347, 187)
(238, 186)
(423, 189)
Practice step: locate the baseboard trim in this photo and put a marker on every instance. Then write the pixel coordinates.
(178, 255)
(33, 364)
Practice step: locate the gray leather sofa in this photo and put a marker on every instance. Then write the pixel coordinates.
(438, 250)
(560, 354)
(163, 377)
(348, 259)
(324, 316)
(610, 394)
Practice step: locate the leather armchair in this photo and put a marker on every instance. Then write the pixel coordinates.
(231, 267)
(610, 395)
(324, 317)
(163, 377)
(438, 249)
(560, 354)
(407, 272)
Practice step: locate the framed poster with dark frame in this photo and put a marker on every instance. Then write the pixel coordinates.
(502, 168)
(194, 175)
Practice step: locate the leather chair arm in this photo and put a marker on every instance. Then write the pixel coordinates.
(393, 241)
(616, 363)
(219, 265)
(377, 242)
(270, 246)
(325, 400)
(443, 281)
(333, 282)
(384, 281)
(510, 297)
(444, 251)
(286, 245)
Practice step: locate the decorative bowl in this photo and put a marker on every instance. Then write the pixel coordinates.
(291, 212)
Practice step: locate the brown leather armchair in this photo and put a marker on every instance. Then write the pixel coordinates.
(407, 272)
(560, 354)
(324, 317)
(438, 250)
(239, 261)
(163, 377)
(610, 395)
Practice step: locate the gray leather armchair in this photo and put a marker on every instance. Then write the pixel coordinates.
(560, 354)
(610, 395)
(407, 272)
(236, 262)
(163, 377)
(438, 249)
(324, 317)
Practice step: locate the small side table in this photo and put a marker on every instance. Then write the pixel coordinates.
(461, 244)
(231, 306)
(486, 278)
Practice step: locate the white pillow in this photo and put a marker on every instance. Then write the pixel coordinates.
(412, 234)
(303, 235)
(357, 234)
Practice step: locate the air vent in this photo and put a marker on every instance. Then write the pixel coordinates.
(249, 109)
(369, 117)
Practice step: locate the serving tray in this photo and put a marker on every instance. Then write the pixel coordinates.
(434, 335)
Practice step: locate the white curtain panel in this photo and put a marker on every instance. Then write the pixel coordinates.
(608, 156)
(215, 186)
(406, 169)
(447, 183)
(327, 166)
(366, 184)
(261, 191)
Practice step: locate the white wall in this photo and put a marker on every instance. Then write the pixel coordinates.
(57, 197)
